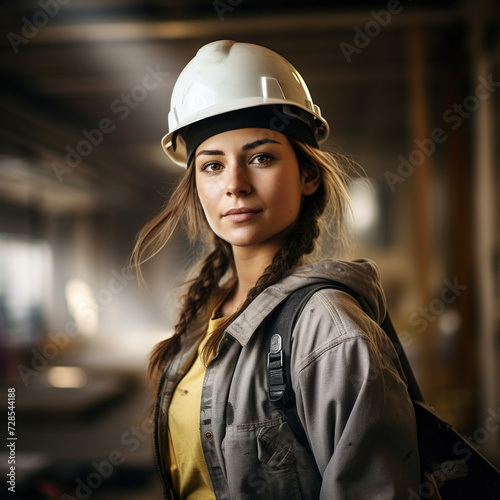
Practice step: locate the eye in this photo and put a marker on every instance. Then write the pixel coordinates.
(211, 167)
(262, 158)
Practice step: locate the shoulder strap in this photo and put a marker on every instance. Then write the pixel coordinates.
(279, 327)
(413, 388)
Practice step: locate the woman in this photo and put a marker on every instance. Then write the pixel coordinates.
(244, 126)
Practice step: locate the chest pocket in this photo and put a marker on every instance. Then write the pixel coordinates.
(264, 461)
(275, 447)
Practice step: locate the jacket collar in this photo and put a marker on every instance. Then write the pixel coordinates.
(361, 275)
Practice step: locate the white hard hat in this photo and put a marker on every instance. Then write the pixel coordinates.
(225, 76)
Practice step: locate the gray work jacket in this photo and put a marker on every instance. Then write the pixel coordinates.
(350, 392)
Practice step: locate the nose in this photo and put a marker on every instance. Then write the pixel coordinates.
(237, 182)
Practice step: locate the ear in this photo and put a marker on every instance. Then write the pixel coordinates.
(310, 183)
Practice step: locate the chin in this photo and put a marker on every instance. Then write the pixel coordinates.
(240, 241)
(239, 238)
(257, 243)
(243, 243)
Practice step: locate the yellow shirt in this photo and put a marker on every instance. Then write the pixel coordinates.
(188, 468)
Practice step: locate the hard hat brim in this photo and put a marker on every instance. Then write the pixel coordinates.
(177, 151)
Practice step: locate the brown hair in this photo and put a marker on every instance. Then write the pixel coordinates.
(322, 212)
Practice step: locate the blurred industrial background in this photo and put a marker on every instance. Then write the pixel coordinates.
(411, 91)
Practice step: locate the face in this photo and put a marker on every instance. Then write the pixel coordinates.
(249, 186)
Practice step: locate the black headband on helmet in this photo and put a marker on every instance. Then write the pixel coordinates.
(289, 120)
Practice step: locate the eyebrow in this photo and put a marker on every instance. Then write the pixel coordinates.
(255, 144)
(246, 147)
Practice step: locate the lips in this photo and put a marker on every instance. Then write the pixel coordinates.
(241, 214)
(242, 210)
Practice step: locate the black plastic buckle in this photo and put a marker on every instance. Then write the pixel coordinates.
(276, 369)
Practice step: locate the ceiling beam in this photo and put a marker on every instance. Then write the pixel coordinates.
(91, 32)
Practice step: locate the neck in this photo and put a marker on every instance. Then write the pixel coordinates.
(250, 266)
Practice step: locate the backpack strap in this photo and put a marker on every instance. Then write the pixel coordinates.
(413, 388)
(279, 328)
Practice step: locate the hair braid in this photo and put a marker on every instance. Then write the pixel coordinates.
(196, 298)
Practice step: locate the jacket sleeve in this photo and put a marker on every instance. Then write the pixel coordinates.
(353, 403)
